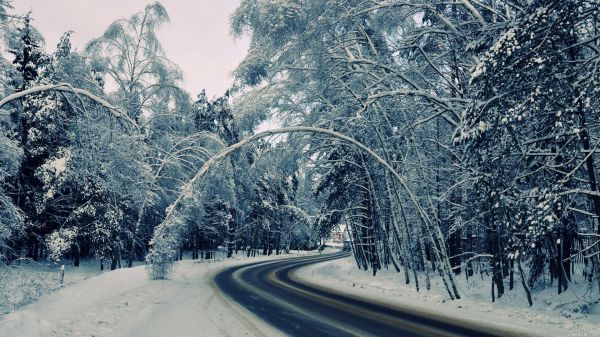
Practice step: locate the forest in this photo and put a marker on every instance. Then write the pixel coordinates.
(453, 139)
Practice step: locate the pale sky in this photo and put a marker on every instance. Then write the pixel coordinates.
(196, 38)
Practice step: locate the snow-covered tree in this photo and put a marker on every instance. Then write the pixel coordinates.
(130, 55)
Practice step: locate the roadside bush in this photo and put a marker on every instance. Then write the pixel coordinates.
(22, 287)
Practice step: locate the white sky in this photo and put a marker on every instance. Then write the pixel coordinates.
(196, 38)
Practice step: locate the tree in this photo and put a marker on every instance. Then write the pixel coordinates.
(29, 119)
(131, 57)
(130, 54)
(538, 125)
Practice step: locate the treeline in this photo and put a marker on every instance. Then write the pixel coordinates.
(95, 145)
(488, 109)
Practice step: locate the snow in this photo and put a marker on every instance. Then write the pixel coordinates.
(29, 281)
(125, 302)
(509, 312)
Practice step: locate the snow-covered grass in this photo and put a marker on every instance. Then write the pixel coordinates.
(547, 317)
(28, 281)
(125, 302)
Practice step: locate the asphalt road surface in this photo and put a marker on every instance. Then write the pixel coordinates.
(269, 291)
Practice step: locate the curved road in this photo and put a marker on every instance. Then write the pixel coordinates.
(269, 290)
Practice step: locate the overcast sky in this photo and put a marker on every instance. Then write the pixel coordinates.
(197, 38)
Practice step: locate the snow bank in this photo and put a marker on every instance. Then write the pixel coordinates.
(125, 302)
(40, 317)
(510, 311)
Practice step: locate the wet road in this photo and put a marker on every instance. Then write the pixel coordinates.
(269, 291)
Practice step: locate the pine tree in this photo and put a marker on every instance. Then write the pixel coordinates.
(27, 189)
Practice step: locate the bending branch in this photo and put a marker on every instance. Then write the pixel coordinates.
(65, 87)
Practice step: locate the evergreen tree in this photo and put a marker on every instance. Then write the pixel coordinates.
(27, 189)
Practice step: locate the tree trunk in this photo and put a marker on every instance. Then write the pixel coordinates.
(76, 255)
(113, 262)
(524, 283)
(131, 254)
(230, 238)
(511, 274)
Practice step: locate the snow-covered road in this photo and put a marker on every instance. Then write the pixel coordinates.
(301, 308)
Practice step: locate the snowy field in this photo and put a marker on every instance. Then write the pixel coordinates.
(545, 317)
(125, 302)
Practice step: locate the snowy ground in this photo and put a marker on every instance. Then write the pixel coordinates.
(125, 302)
(28, 281)
(511, 310)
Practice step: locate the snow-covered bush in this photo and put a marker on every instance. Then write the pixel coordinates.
(579, 308)
(164, 244)
(22, 287)
(59, 242)
(160, 261)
